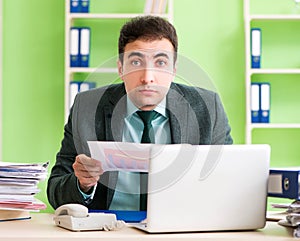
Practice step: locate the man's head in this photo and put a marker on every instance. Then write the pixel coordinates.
(147, 56)
(147, 28)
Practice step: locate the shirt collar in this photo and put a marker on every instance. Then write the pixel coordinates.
(160, 108)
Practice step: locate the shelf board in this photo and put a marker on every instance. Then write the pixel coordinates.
(92, 70)
(274, 17)
(273, 125)
(110, 15)
(274, 71)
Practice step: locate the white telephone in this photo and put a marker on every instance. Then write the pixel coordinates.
(76, 217)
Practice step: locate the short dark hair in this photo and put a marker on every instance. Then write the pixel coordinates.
(147, 28)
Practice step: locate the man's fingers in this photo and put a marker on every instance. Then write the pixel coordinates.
(85, 163)
(87, 173)
(87, 170)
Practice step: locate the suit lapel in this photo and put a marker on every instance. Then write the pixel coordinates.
(177, 109)
(184, 123)
(117, 112)
(110, 114)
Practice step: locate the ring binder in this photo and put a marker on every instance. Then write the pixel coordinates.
(255, 47)
(284, 183)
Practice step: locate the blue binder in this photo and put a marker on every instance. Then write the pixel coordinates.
(85, 4)
(260, 102)
(86, 85)
(75, 6)
(264, 103)
(284, 183)
(255, 47)
(127, 216)
(74, 47)
(255, 102)
(84, 49)
(74, 89)
(79, 86)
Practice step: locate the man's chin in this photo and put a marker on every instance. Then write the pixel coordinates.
(147, 107)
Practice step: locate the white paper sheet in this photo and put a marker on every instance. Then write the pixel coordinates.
(121, 156)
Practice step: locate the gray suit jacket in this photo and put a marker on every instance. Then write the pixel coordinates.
(196, 117)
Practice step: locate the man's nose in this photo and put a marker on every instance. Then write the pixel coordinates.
(148, 75)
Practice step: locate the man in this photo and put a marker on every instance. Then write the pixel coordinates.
(147, 67)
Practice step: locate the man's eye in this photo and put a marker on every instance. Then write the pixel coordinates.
(161, 63)
(136, 63)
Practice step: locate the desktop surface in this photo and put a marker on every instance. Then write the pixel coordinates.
(41, 227)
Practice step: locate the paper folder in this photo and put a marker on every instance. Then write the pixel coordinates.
(255, 103)
(74, 47)
(79, 86)
(79, 6)
(84, 86)
(74, 90)
(255, 47)
(125, 215)
(284, 182)
(85, 6)
(74, 6)
(264, 102)
(84, 51)
(260, 102)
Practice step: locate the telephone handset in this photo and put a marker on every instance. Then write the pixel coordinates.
(72, 209)
(76, 217)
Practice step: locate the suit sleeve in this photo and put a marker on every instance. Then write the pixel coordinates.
(62, 183)
(221, 128)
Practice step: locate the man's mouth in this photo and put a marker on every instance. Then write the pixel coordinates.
(147, 90)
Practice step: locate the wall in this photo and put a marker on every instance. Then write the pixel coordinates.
(33, 77)
(210, 34)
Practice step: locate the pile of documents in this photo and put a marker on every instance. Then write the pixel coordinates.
(292, 218)
(19, 185)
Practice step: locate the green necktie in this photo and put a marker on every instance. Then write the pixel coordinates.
(147, 118)
(147, 137)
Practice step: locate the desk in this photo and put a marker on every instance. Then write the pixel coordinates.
(41, 227)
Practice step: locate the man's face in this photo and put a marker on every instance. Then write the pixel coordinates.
(147, 71)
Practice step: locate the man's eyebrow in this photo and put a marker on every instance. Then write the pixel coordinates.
(139, 54)
(161, 55)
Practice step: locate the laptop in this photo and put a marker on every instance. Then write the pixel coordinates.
(206, 188)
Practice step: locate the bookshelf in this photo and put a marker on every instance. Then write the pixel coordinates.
(114, 19)
(280, 62)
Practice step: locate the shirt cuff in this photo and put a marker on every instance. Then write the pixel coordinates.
(87, 197)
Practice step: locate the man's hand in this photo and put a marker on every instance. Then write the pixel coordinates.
(88, 171)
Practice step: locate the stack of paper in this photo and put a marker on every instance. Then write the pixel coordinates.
(19, 184)
(292, 218)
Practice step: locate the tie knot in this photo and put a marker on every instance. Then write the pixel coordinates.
(147, 116)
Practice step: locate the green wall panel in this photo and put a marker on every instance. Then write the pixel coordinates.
(33, 77)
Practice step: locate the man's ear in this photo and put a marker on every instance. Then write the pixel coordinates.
(175, 68)
(120, 69)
